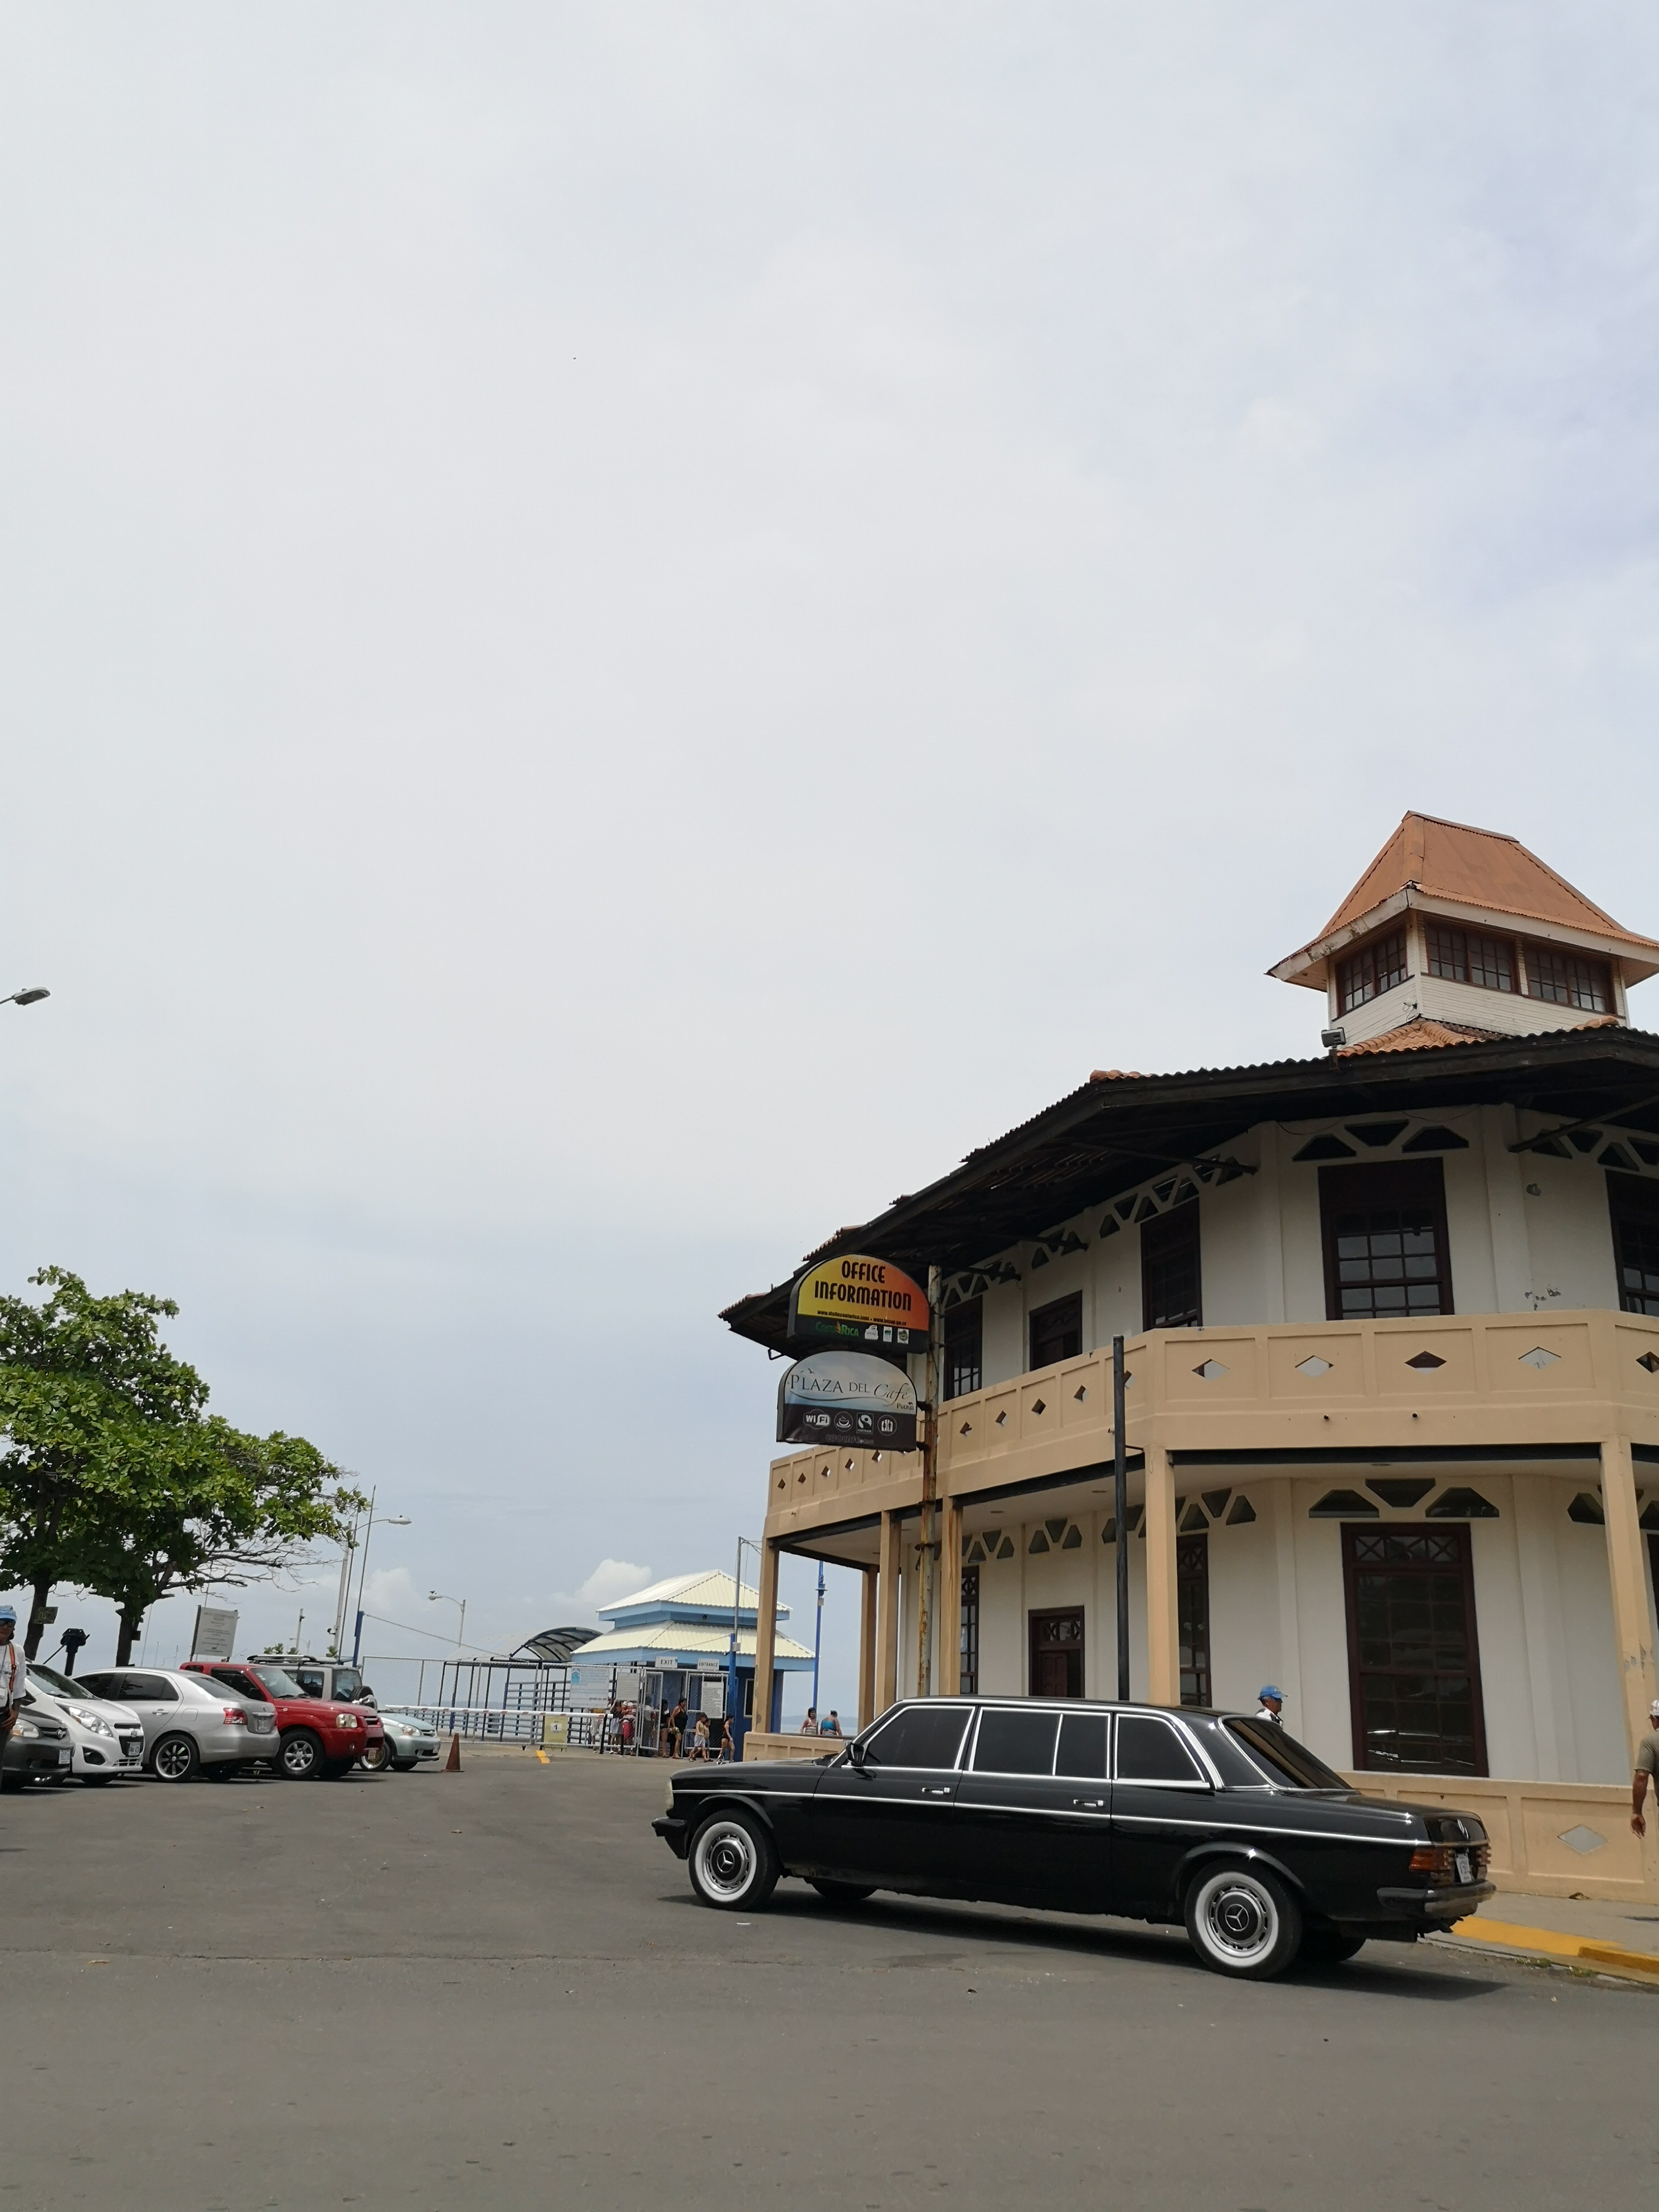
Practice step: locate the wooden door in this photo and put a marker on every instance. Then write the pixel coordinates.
(1056, 1669)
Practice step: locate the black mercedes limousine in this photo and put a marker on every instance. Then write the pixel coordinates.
(1213, 1818)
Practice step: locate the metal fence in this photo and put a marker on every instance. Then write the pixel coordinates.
(581, 1731)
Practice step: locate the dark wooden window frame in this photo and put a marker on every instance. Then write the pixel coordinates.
(964, 1347)
(1634, 1201)
(1373, 970)
(969, 1678)
(1350, 1593)
(1588, 991)
(1486, 962)
(1193, 1576)
(1165, 1239)
(1047, 1320)
(1382, 1183)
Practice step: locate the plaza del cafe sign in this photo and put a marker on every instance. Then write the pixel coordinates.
(863, 1319)
(835, 1397)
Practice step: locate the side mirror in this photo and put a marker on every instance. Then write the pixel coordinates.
(856, 1755)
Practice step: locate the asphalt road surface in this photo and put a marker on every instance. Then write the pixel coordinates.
(494, 1989)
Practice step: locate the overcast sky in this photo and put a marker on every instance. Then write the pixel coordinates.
(624, 628)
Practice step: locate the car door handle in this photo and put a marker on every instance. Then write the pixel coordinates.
(936, 1793)
(1090, 1804)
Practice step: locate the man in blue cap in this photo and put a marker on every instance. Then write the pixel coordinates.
(1272, 1704)
(14, 1674)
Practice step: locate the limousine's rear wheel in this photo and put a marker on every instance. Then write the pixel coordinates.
(844, 1893)
(1243, 1921)
(734, 1864)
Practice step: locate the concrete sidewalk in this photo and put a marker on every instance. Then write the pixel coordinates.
(1585, 1931)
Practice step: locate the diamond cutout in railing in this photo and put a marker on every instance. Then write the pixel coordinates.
(966, 1429)
(1037, 1405)
(1210, 1371)
(1540, 1358)
(1425, 1359)
(1313, 1367)
(1002, 1418)
(1581, 1839)
(1650, 1361)
(1081, 1392)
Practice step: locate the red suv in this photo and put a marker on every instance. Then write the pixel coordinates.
(320, 1735)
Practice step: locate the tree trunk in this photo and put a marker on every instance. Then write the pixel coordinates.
(41, 1590)
(132, 1619)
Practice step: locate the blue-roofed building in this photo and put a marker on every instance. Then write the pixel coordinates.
(671, 1640)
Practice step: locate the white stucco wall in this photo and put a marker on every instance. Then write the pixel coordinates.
(1277, 1612)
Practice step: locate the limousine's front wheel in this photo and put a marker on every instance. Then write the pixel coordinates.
(1243, 1921)
(734, 1864)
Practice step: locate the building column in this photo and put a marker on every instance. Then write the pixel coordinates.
(766, 1623)
(887, 1634)
(1633, 1631)
(868, 1581)
(948, 1673)
(1163, 1626)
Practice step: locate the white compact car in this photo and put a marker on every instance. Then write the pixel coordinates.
(107, 1739)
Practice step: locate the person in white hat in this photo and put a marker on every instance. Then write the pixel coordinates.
(1647, 1762)
(14, 1674)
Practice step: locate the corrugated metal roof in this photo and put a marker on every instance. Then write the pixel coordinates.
(685, 1636)
(1115, 1130)
(708, 1589)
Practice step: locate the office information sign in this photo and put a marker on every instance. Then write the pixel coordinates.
(857, 1301)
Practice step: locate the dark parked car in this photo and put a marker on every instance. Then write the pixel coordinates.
(37, 1750)
(1216, 1819)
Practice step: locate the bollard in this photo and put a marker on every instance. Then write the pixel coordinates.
(452, 1764)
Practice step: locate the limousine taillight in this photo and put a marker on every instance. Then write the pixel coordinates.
(1448, 1863)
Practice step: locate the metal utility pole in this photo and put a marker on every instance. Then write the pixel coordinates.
(817, 1638)
(927, 1547)
(1121, 1516)
(733, 1703)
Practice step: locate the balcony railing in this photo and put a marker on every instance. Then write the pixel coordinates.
(1494, 1380)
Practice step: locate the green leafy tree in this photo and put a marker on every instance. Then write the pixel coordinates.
(114, 1476)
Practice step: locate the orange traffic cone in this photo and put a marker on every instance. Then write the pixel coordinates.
(452, 1764)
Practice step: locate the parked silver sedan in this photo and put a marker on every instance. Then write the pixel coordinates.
(191, 1722)
(407, 1740)
(107, 1739)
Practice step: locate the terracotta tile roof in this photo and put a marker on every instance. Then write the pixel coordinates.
(1422, 1034)
(1426, 1034)
(1475, 867)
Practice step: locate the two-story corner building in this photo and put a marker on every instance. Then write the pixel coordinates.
(1392, 1409)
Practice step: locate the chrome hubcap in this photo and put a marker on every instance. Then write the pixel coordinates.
(1239, 1919)
(726, 1859)
(298, 1758)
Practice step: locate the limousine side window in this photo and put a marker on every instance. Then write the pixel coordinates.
(1082, 1756)
(1015, 1743)
(1149, 1750)
(921, 1735)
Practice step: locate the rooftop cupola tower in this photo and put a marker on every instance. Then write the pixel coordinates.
(1457, 932)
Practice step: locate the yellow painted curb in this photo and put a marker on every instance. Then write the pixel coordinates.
(1555, 1945)
(542, 1755)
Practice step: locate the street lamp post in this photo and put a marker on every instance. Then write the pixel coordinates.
(817, 1639)
(442, 1597)
(387, 1520)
